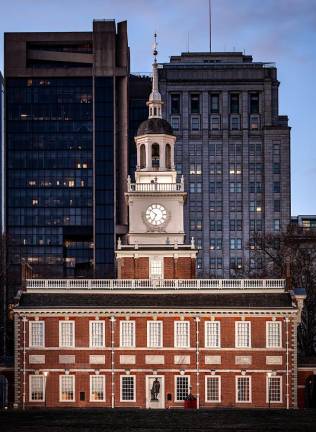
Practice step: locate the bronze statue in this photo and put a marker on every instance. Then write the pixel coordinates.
(155, 390)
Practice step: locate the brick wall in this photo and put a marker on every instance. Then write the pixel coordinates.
(138, 268)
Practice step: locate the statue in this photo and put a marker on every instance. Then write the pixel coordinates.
(155, 390)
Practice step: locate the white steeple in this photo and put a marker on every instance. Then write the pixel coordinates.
(154, 103)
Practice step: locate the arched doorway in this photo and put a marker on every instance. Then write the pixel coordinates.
(155, 156)
(3, 391)
(142, 156)
(168, 156)
(310, 392)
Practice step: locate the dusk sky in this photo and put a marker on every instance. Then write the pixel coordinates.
(281, 31)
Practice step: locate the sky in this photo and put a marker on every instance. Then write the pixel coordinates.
(281, 31)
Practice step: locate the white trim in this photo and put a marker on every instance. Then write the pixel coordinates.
(31, 323)
(102, 322)
(133, 322)
(134, 387)
(206, 324)
(103, 386)
(218, 377)
(175, 386)
(250, 388)
(176, 345)
(42, 377)
(236, 334)
(281, 389)
(74, 388)
(60, 322)
(279, 323)
(161, 334)
(152, 260)
(162, 391)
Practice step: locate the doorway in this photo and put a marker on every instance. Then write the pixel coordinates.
(155, 392)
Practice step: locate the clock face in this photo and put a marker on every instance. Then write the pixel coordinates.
(156, 214)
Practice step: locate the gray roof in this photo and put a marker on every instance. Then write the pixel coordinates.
(154, 125)
(148, 300)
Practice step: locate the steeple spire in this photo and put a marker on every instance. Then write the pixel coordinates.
(154, 103)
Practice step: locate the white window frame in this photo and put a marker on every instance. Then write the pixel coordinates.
(268, 324)
(133, 335)
(60, 333)
(196, 117)
(175, 386)
(91, 342)
(250, 388)
(218, 378)
(232, 117)
(60, 388)
(92, 377)
(34, 323)
(206, 338)
(254, 119)
(121, 388)
(150, 343)
(237, 344)
(42, 378)
(212, 123)
(160, 267)
(279, 377)
(176, 342)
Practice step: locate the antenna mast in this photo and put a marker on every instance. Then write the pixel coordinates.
(210, 22)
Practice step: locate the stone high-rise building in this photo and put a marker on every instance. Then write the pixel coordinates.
(233, 149)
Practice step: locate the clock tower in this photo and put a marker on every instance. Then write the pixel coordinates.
(155, 246)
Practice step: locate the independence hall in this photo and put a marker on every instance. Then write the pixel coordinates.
(156, 337)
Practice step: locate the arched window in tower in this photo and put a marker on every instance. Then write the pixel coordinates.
(168, 156)
(142, 156)
(155, 156)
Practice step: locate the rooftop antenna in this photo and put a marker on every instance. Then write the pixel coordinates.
(210, 22)
(155, 48)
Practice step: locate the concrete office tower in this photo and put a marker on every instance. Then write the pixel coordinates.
(66, 148)
(233, 149)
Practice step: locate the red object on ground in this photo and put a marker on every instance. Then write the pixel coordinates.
(190, 404)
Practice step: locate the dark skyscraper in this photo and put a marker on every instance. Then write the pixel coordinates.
(66, 149)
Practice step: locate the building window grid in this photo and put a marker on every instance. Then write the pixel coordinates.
(243, 389)
(182, 334)
(243, 334)
(66, 334)
(182, 387)
(274, 389)
(67, 388)
(212, 334)
(156, 268)
(97, 388)
(273, 334)
(37, 388)
(128, 388)
(37, 334)
(127, 334)
(97, 336)
(154, 334)
(213, 389)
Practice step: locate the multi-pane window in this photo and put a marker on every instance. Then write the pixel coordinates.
(255, 187)
(37, 334)
(127, 334)
(175, 123)
(216, 206)
(195, 187)
(276, 168)
(96, 334)
(276, 187)
(235, 224)
(37, 388)
(214, 102)
(213, 389)
(156, 268)
(254, 103)
(215, 169)
(97, 388)
(195, 225)
(195, 103)
(274, 389)
(254, 122)
(212, 334)
(235, 243)
(215, 243)
(216, 263)
(235, 187)
(243, 389)
(235, 122)
(195, 123)
(154, 334)
(276, 150)
(196, 168)
(175, 103)
(255, 206)
(182, 387)
(235, 168)
(235, 206)
(273, 334)
(242, 334)
(215, 122)
(277, 206)
(128, 388)
(215, 225)
(276, 225)
(182, 334)
(215, 149)
(66, 334)
(234, 103)
(255, 225)
(67, 388)
(235, 263)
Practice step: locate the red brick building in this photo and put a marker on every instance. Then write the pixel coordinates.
(156, 334)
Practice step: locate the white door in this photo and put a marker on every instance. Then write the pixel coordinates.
(155, 391)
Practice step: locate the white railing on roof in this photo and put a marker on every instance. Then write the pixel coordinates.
(155, 187)
(162, 284)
